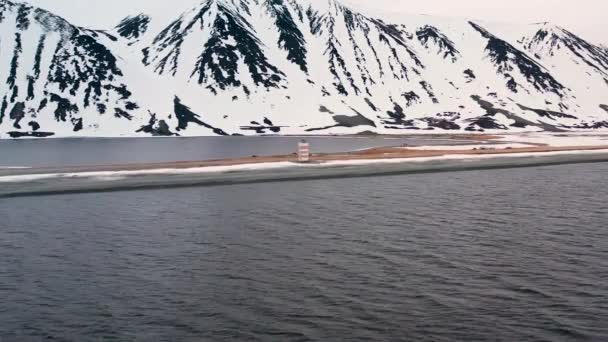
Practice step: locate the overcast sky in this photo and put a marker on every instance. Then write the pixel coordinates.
(585, 17)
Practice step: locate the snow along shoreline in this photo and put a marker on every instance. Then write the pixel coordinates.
(507, 151)
(82, 182)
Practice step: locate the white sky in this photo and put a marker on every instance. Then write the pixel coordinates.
(584, 17)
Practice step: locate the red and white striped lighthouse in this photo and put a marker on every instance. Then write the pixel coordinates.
(303, 151)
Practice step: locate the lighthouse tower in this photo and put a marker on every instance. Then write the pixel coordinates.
(303, 152)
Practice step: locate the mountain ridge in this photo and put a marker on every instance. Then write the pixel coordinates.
(239, 67)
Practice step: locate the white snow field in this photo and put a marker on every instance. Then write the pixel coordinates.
(246, 67)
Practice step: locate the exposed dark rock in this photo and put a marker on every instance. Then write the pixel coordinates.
(261, 129)
(337, 64)
(407, 125)
(548, 113)
(429, 90)
(34, 125)
(353, 121)
(17, 114)
(511, 83)
(470, 75)
(145, 60)
(355, 21)
(77, 123)
(449, 115)
(396, 35)
(64, 107)
(23, 21)
(392, 37)
(505, 57)
(232, 25)
(3, 8)
(519, 124)
(101, 108)
(603, 106)
(291, 38)
(30, 88)
(592, 125)
(397, 119)
(76, 62)
(3, 108)
(484, 122)
(133, 27)
(217, 66)
(324, 109)
(119, 113)
(397, 113)
(488, 122)
(120, 90)
(104, 33)
(36, 70)
(371, 104)
(445, 120)
(95, 68)
(444, 44)
(43, 103)
(156, 128)
(441, 123)
(15, 135)
(185, 116)
(15, 93)
(15, 63)
(131, 106)
(411, 98)
(347, 121)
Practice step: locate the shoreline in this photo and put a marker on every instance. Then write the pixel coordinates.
(444, 144)
(25, 185)
(372, 155)
(483, 153)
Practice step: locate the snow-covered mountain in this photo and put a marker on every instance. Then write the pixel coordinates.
(234, 67)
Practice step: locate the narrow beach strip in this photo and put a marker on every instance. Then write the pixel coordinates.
(375, 162)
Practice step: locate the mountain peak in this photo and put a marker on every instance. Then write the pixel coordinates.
(133, 27)
(551, 40)
(291, 67)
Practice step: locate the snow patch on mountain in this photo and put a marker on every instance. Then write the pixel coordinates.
(239, 67)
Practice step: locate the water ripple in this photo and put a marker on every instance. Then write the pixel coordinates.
(489, 255)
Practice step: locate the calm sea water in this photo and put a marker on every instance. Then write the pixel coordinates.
(100, 151)
(501, 255)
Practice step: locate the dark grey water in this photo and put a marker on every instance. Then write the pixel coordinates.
(501, 255)
(92, 151)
